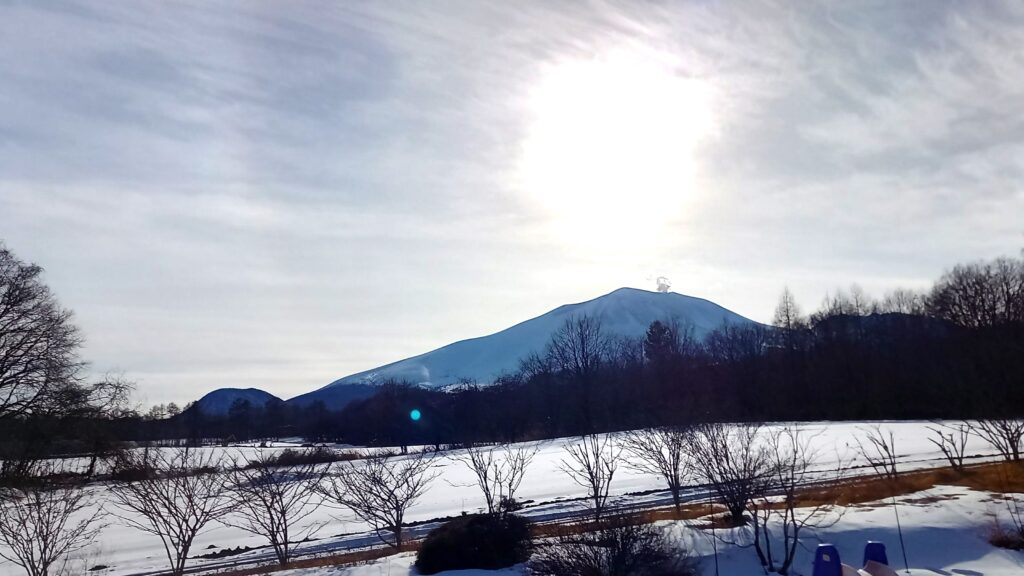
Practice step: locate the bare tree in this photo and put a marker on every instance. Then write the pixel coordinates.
(880, 454)
(535, 365)
(38, 342)
(734, 461)
(592, 463)
(43, 524)
(878, 448)
(903, 301)
(792, 458)
(579, 346)
(577, 350)
(273, 501)
(173, 494)
(980, 294)
(661, 451)
(499, 471)
(787, 313)
(952, 442)
(41, 373)
(108, 398)
(862, 303)
(380, 488)
(1005, 435)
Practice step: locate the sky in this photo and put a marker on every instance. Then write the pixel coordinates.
(278, 194)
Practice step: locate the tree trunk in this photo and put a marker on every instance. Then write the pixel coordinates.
(736, 517)
(757, 544)
(768, 545)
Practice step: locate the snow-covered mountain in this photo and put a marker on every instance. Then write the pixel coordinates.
(624, 312)
(218, 402)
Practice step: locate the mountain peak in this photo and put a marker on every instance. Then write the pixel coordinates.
(628, 292)
(624, 312)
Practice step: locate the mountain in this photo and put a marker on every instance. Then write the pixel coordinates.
(335, 397)
(218, 402)
(624, 312)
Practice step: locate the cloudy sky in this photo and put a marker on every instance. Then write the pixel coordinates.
(280, 194)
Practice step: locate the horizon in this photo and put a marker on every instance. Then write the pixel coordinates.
(257, 196)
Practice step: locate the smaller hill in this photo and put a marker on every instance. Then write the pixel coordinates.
(218, 402)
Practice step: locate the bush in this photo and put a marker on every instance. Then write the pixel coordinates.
(475, 541)
(293, 457)
(1009, 538)
(1003, 538)
(122, 471)
(621, 546)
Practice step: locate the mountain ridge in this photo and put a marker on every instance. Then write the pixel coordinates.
(624, 312)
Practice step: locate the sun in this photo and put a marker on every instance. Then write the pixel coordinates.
(609, 153)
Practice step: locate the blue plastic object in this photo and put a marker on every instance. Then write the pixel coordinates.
(875, 551)
(826, 561)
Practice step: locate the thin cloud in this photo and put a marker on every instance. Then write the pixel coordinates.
(254, 194)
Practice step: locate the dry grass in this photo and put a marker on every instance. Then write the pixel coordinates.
(1001, 537)
(648, 516)
(687, 512)
(992, 477)
(1001, 477)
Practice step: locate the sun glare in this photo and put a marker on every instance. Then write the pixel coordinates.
(609, 153)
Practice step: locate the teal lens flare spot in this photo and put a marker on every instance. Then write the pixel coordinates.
(415, 415)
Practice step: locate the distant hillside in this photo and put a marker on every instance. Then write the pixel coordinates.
(624, 312)
(218, 402)
(335, 397)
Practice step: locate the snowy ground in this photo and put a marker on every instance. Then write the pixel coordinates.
(943, 538)
(949, 535)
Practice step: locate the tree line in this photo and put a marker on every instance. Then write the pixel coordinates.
(954, 351)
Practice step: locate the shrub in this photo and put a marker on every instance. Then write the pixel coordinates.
(476, 541)
(1000, 537)
(129, 471)
(621, 546)
(1010, 537)
(293, 457)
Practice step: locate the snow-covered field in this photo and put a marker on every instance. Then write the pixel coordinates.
(946, 537)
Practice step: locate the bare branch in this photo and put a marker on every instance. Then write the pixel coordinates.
(39, 344)
(879, 452)
(272, 501)
(1005, 435)
(661, 451)
(592, 464)
(734, 461)
(499, 471)
(42, 525)
(379, 489)
(952, 442)
(791, 459)
(174, 494)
